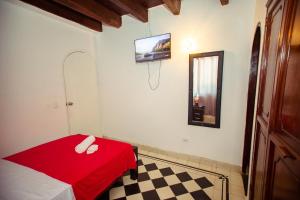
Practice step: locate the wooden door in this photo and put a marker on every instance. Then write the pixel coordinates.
(271, 50)
(285, 136)
(276, 160)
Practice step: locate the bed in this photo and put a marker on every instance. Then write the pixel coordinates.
(55, 171)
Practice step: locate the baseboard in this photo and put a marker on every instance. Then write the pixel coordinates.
(179, 155)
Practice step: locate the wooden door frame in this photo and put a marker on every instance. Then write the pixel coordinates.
(250, 114)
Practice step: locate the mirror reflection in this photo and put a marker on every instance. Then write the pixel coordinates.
(205, 89)
(205, 83)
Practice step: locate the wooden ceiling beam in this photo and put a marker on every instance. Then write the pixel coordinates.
(66, 13)
(173, 6)
(224, 2)
(94, 10)
(133, 8)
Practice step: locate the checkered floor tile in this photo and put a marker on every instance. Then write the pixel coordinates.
(163, 180)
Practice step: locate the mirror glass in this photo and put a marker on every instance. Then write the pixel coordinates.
(205, 88)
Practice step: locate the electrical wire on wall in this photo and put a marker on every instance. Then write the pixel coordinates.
(153, 84)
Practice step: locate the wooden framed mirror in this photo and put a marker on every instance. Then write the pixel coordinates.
(205, 88)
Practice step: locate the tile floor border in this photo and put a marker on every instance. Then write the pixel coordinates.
(225, 179)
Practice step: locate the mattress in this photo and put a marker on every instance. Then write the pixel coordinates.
(88, 174)
(19, 182)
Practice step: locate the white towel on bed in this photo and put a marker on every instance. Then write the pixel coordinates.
(84, 145)
(93, 148)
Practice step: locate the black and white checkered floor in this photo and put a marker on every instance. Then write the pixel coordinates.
(161, 179)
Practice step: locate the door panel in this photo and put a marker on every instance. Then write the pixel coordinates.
(290, 115)
(260, 165)
(286, 178)
(82, 94)
(272, 47)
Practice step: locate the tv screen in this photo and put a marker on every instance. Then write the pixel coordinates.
(153, 48)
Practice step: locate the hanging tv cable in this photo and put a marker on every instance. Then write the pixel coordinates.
(153, 84)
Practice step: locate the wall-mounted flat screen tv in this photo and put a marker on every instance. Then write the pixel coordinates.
(153, 48)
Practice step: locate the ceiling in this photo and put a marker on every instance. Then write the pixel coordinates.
(95, 13)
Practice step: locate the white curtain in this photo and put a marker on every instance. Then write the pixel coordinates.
(205, 76)
(205, 83)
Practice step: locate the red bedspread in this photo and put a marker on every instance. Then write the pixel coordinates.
(90, 174)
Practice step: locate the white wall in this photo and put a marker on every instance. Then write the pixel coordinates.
(132, 112)
(32, 103)
(34, 43)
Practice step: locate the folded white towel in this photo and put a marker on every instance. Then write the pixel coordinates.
(92, 149)
(82, 146)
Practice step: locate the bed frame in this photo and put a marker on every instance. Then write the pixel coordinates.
(134, 172)
(133, 175)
